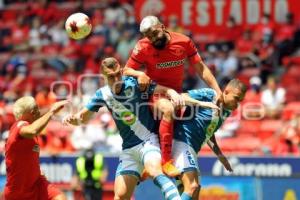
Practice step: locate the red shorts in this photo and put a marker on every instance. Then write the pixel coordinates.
(42, 190)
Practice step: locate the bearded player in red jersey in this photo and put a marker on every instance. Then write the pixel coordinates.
(24, 178)
(163, 54)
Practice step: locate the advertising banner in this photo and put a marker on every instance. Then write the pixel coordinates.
(59, 169)
(231, 188)
(212, 188)
(210, 16)
(253, 177)
(234, 188)
(280, 189)
(252, 166)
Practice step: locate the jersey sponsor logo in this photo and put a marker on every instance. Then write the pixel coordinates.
(169, 64)
(123, 114)
(128, 118)
(36, 148)
(212, 127)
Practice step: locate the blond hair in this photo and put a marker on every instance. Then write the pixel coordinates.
(23, 105)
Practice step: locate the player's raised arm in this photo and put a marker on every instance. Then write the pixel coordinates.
(193, 102)
(85, 114)
(142, 78)
(135, 61)
(36, 127)
(208, 77)
(201, 68)
(212, 143)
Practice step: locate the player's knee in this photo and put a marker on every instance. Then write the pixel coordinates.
(153, 172)
(153, 168)
(192, 188)
(168, 111)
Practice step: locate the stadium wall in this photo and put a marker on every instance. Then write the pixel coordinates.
(210, 16)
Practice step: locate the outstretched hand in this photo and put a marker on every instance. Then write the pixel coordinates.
(57, 106)
(70, 119)
(143, 81)
(176, 99)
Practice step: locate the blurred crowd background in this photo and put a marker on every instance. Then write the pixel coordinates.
(37, 58)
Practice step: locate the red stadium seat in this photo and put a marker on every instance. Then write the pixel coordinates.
(290, 109)
(97, 40)
(93, 44)
(291, 97)
(288, 80)
(294, 71)
(227, 144)
(293, 90)
(243, 145)
(88, 49)
(244, 79)
(294, 60)
(9, 15)
(268, 128)
(246, 145)
(248, 127)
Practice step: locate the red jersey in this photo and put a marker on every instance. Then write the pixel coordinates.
(22, 165)
(166, 66)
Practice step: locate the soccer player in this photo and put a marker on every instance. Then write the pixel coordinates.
(199, 128)
(130, 111)
(24, 178)
(163, 55)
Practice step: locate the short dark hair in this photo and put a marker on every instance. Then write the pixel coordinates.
(109, 62)
(236, 83)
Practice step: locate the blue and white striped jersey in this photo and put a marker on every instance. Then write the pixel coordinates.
(130, 110)
(204, 122)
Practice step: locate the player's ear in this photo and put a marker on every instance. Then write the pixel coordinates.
(163, 27)
(226, 91)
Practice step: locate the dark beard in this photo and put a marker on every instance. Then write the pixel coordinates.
(160, 43)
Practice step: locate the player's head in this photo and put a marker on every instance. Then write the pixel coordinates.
(233, 94)
(112, 72)
(26, 109)
(155, 31)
